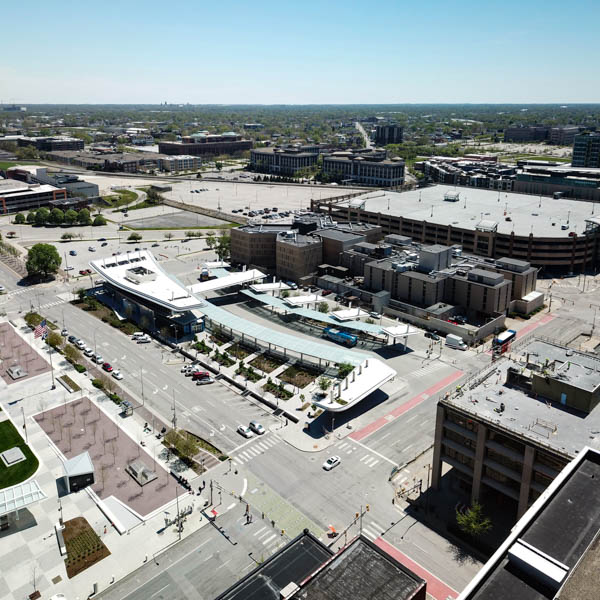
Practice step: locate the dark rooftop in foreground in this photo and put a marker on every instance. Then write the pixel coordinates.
(554, 550)
(305, 569)
(362, 572)
(293, 563)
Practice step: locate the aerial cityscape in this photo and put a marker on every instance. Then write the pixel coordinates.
(295, 307)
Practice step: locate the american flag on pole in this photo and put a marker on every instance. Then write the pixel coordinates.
(41, 330)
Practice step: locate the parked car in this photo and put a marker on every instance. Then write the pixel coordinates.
(196, 375)
(107, 367)
(257, 427)
(104, 244)
(326, 292)
(331, 462)
(432, 335)
(188, 368)
(155, 245)
(72, 252)
(98, 359)
(144, 340)
(245, 431)
(88, 351)
(80, 344)
(374, 315)
(91, 249)
(68, 268)
(117, 375)
(205, 381)
(72, 339)
(64, 332)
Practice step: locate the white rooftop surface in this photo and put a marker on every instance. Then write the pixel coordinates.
(164, 290)
(349, 314)
(532, 296)
(217, 263)
(260, 288)
(300, 300)
(227, 281)
(20, 496)
(483, 205)
(400, 330)
(16, 188)
(364, 380)
(79, 465)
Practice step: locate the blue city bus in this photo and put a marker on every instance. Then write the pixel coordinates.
(503, 340)
(341, 337)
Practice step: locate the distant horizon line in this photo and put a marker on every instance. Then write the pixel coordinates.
(189, 104)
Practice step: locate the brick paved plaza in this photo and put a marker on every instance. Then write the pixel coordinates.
(14, 351)
(80, 426)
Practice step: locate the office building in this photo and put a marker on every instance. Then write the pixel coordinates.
(33, 174)
(553, 551)
(559, 235)
(364, 169)
(18, 196)
(508, 435)
(179, 163)
(388, 134)
(51, 144)
(562, 181)
(586, 151)
(563, 136)
(256, 245)
(282, 161)
(297, 255)
(531, 133)
(204, 143)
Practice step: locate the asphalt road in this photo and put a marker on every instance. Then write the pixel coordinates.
(203, 565)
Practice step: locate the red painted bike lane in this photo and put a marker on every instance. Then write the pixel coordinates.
(382, 421)
(529, 328)
(435, 587)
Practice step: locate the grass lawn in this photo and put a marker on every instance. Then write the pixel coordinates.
(9, 438)
(299, 377)
(121, 198)
(267, 363)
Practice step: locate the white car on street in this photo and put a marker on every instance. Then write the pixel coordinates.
(331, 462)
(257, 427)
(245, 431)
(88, 351)
(117, 374)
(205, 381)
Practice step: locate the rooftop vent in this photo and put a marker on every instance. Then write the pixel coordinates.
(536, 565)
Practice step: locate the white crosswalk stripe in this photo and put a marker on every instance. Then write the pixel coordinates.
(256, 448)
(369, 533)
(423, 372)
(369, 461)
(269, 539)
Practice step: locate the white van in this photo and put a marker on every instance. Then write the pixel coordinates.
(137, 335)
(455, 341)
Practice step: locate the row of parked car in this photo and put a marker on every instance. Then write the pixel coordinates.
(200, 377)
(95, 357)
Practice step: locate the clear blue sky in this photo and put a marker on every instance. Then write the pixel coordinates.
(299, 52)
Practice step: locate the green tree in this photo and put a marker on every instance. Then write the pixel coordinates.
(169, 235)
(41, 216)
(72, 353)
(54, 339)
(42, 260)
(57, 216)
(285, 294)
(134, 237)
(219, 166)
(84, 217)
(224, 247)
(70, 217)
(27, 153)
(19, 218)
(344, 369)
(66, 237)
(323, 307)
(324, 383)
(211, 241)
(81, 294)
(31, 217)
(99, 220)
(472, 521)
